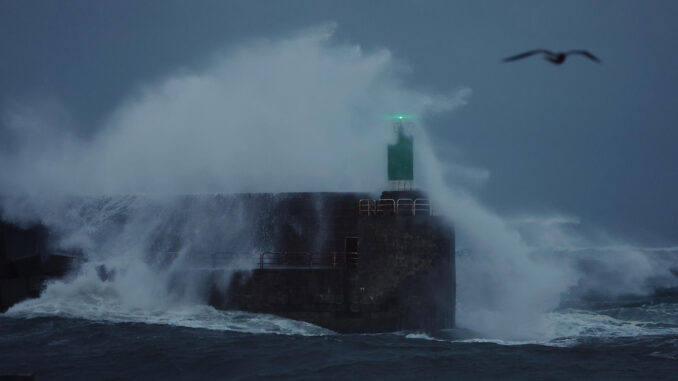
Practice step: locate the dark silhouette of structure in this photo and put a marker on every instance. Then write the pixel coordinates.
(556, 58)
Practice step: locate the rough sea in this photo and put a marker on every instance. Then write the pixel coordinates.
(629, 339)
(149, 323)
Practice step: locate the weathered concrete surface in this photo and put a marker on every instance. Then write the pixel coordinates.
(404, 278)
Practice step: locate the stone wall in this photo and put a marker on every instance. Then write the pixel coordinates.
(404, 278)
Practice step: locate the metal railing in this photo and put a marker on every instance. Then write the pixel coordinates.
(389, 206)
(423, 206)
(386, 206)
(405, 206)
(367, 206)
(296, 260)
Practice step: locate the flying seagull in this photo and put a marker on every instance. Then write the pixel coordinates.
(553, 57)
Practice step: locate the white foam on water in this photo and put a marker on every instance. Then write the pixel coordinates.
(103, 309)
(572, 326)
(294, 114)
(512, 342)
(138, 293)
(580, 323)
(421, 336)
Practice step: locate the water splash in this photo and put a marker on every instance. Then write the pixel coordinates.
(295, 114)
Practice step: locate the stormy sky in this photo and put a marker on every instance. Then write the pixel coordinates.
(594, 141)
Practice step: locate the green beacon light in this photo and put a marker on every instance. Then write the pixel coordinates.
(400, 117)
(401, 157)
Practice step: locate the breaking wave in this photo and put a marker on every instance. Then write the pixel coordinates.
(104, 308)
(294, 114)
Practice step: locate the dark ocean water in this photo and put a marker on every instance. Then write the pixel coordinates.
(145, 323)
(610, 344)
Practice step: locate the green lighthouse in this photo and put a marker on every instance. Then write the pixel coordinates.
(401, 161)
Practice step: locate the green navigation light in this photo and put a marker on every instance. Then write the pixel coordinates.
(400, 116)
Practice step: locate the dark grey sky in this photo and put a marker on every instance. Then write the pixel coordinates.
(594, 141)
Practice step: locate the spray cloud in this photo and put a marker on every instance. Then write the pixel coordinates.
(295, 114)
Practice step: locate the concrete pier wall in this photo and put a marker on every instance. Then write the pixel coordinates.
(399, 274)
(404, 276)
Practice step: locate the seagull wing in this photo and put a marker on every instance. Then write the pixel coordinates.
(584, 53)
(526, 54)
